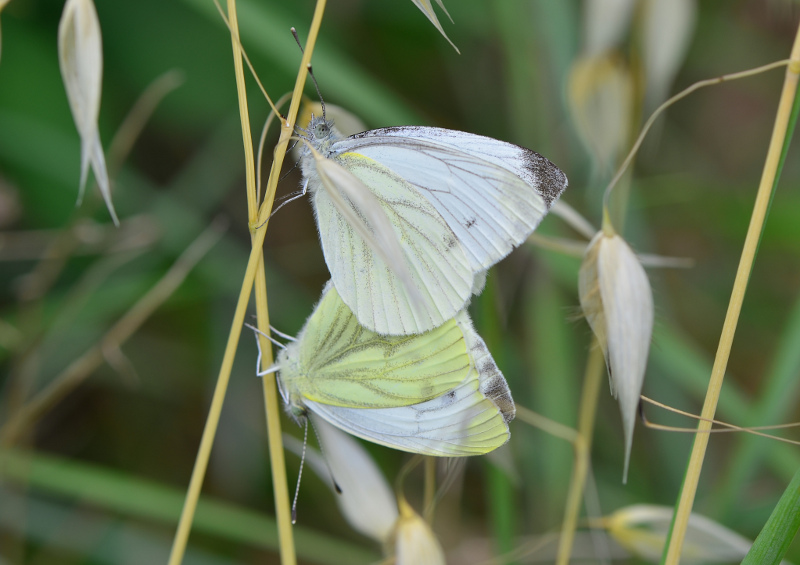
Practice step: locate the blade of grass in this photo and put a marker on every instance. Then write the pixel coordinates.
(767, 185)
(139, 498)
(70, 531)
(553, 382)
(501, 503)
(779, 531)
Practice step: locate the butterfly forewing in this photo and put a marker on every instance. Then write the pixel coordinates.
(491, 193)
(458, 203)
(437, 263)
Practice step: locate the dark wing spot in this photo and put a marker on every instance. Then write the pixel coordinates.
(551, 180)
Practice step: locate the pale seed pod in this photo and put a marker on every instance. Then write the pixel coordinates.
(80, 55)
(414, 541)
(617, 301)
(642, 530)
(366, 500)
(605, 24)
(427, 9)
(668, 27)
(600, 92)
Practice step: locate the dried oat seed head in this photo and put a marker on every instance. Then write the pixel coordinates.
(415, 543)
(80, 55)
(427, 9)
(366, 500)
(600, 94)
(642, 530)
(617, 301)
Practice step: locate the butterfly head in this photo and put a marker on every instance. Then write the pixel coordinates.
(321, 134)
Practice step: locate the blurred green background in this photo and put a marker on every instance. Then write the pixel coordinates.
(137, 419)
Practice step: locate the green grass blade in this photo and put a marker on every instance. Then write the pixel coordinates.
(779, 531)
(135, 497)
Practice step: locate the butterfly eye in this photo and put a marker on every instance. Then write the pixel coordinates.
(322, 130)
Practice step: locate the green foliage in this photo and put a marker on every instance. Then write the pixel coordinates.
(124, 441)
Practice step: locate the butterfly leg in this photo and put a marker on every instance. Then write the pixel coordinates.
(268, 370)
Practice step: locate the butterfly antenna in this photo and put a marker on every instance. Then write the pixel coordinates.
(300, 474)
(325, 458)
(297, 39)
(311, 73)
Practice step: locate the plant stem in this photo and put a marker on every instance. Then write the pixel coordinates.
(583, 447)
(768, 181)
(280, 489)
(682, 94)
(429, 492)
(254, 265)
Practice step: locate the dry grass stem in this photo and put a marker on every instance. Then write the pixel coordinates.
(254, 271)
(754, 230)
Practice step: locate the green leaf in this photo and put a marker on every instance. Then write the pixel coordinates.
(140, 498)
(779, 531)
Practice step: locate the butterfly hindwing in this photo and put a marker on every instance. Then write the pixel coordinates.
(343, 363)
(458, 423)
(437, 393)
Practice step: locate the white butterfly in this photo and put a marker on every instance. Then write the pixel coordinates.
(436, 393)
(440, 208)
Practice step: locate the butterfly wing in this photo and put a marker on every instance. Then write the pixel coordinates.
(439, 269)
(491, 193)
(468, 419)
(338, 362)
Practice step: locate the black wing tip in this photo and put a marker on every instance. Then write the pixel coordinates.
(551, 181)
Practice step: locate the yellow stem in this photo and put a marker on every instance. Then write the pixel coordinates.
(280, 489)
(689, 489)
(244, 115)
(254, 265)
(545, 424)
(430, 489)
(592, 380)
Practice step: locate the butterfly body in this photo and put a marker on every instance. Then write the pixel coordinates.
(437, 393)
(457, 203)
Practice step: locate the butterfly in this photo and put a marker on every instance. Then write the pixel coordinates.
(410, 218)
(436, 393)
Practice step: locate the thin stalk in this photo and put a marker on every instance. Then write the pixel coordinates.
(254, 264)
(429, 492)
(280, 489)
(682, 94)
(684, 507)
(593, 377)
